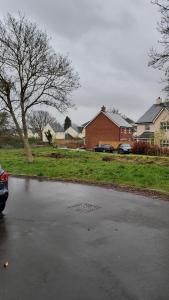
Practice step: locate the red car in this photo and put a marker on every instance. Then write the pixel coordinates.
(3, 189)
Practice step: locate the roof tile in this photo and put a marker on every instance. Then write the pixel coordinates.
(152, 112)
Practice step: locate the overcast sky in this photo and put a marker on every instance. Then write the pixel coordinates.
(108, 43)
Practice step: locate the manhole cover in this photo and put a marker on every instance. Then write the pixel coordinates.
(85, 207)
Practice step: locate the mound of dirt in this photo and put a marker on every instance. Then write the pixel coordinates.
(56, 155)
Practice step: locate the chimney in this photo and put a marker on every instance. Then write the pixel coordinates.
(103, 108)
(158, 100)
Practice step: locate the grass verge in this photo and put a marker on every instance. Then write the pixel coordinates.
(131, 170)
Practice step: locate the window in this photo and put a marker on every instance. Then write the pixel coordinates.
(164, 125)
(130, 131)
(123, 130)
(164, 143)
(147, 127)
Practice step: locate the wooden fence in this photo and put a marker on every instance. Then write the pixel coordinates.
(73, 143)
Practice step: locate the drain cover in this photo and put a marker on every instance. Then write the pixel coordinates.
(85, 207)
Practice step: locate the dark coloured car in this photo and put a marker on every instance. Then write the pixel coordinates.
(124, 149)
(3, 189)
(104, 148)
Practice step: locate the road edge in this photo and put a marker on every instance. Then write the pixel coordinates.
(155, 194)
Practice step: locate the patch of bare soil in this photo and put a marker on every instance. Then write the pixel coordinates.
(139, 160)
(56, 155)
(51, 155)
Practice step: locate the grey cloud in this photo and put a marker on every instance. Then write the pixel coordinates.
(74, 18)
(108, 43)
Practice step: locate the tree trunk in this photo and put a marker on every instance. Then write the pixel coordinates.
(41, 135)
(27, 149)
(23, 135)
(26, 144)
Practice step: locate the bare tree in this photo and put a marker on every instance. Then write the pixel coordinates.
(4, 121)
(114, 111)
(159, 59)
(31, 73)
(39, 119)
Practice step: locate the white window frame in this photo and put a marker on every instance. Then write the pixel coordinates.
(164, 143)
(164, 125)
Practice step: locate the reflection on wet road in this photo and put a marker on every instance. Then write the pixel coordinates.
(76, 242)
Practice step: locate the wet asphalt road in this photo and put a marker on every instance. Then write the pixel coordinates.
(115, 248)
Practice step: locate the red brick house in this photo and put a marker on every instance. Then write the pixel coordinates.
(107, 128)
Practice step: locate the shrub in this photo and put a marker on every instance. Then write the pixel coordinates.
(9, 141)
(35, 142)
(148, 149)
(140, 147)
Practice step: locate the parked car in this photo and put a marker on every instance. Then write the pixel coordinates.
(3, 189)
(124, 148)
(104, 148)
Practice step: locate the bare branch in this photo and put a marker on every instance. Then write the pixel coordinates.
(37, 120)
(159, 59)
(31, 73)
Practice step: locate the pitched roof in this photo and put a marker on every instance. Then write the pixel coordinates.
(77, 128)
(118, 119)
(153, 112)
(84, 124)
(34, 130)
(146, 135)
(115, 118)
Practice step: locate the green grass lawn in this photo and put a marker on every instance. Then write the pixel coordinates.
(133, 170)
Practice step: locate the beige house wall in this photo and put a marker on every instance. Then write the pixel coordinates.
(141, 129)
(163, 117)
(60, 135)
(82, 134)
(47, 127)
(159, 135)
(72, 132)
(31, 134)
